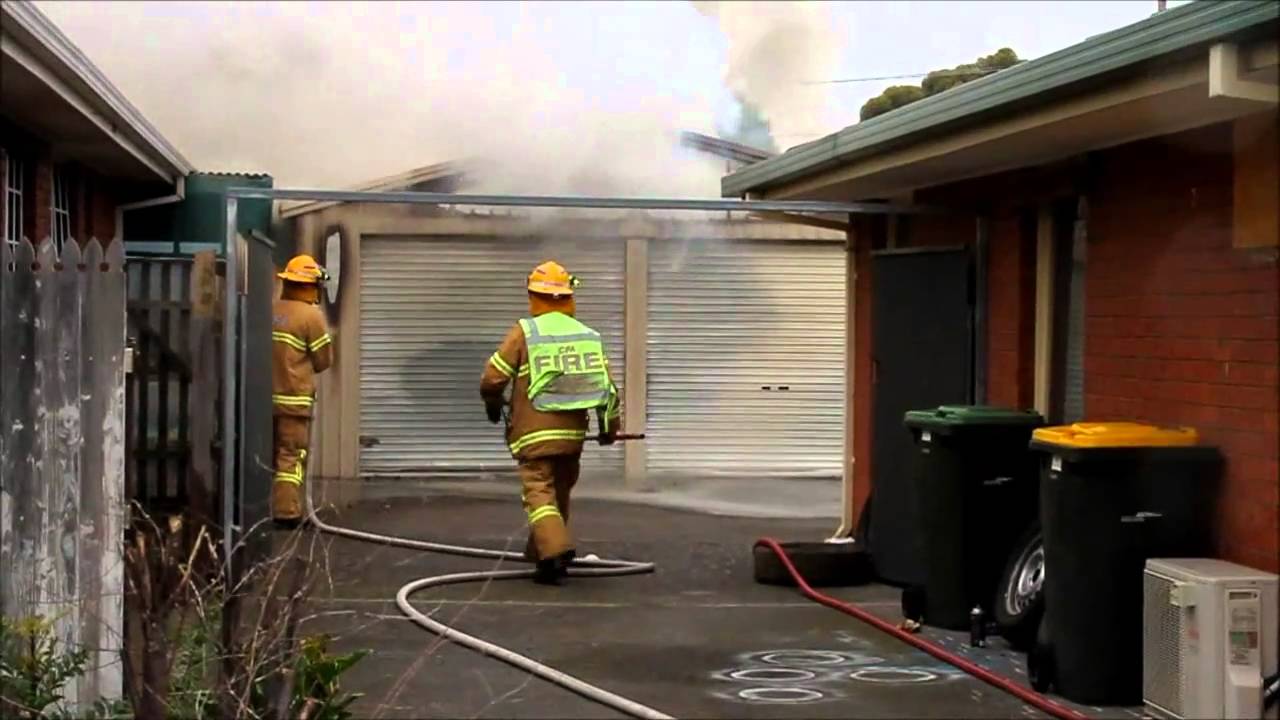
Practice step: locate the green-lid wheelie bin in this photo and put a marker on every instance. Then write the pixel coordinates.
(977, 489)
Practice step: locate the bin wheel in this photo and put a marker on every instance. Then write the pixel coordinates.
(1020, 602)
(821, 564)
(1040, 666)
(913, 602)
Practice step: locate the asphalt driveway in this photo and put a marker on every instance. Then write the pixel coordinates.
(696, 639)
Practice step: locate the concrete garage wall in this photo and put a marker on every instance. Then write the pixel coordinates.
(1182, 325)
(338, 427)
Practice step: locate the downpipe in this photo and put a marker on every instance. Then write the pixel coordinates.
(1030, 697)
(578, 568)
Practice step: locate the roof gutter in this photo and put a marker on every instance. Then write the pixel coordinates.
(115, 116)
(1225, 77)
(178, 196)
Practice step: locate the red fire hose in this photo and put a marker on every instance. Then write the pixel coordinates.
(1028, 696)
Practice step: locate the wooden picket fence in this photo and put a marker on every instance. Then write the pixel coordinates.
(173, 390)
(62, 448)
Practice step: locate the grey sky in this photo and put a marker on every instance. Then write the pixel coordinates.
(576, 96)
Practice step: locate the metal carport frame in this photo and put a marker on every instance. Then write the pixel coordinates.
(233, 400)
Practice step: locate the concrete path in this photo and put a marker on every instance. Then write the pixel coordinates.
(807, 499)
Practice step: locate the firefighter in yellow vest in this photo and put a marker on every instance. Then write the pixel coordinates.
(559, 374)
(301, 349)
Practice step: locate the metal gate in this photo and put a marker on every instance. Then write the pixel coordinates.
(432, 311)
(746, 357)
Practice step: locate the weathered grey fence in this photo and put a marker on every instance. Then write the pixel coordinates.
(62, 448)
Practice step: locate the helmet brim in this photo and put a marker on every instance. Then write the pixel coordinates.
(292, 277)
(547, 289)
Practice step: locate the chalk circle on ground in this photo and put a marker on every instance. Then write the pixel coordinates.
(779, 695)
(805, 658)
(772, 674)
(892, 675)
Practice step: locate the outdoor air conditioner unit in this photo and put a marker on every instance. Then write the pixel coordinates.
(1209, 638)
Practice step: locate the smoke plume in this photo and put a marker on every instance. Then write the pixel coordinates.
(776, 51)
(328, 94)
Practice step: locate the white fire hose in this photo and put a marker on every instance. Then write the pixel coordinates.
(579, 568)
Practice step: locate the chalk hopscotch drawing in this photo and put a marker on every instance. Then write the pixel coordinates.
(801, 676)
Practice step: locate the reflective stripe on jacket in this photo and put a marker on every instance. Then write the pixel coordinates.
(301, 347)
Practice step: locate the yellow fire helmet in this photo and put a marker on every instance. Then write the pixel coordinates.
(550, 278)
(304, 269)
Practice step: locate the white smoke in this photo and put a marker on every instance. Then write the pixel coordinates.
(776, 52)
(328, 94)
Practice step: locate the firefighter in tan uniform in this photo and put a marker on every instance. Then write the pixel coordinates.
(559, 372)
(301, 348)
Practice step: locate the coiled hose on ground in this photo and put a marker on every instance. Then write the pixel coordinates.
(580, 567)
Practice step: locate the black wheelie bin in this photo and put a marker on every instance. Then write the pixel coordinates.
(977, 489)
(1112, 495)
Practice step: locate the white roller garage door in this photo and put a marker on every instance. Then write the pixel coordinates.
(432, 311)
(746, 358)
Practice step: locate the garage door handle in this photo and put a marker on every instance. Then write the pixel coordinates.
(781, 388)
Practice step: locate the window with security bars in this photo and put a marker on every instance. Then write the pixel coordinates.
(13, 201)
(61, 209)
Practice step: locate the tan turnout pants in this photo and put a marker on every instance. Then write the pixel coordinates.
(545, 487)
(291, 437)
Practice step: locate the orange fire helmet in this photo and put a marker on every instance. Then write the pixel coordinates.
(304, 269)
(550, 278)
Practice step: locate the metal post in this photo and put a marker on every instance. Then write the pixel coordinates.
(230, 391)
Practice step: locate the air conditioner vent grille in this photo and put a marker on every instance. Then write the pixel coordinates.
(1162, 650)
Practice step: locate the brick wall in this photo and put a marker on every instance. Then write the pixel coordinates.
(38, 205)
(863, 387)
(99, 209)
(1182, 327)
(93, 201)
(1011, 283)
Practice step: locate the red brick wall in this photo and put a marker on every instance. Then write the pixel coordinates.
(39, 206)
(99, 209)
(92, 204)
(862, 386)
(1011, 284)
(1011, 263)
(1182, 328)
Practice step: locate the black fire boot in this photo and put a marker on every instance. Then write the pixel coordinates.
(288, 523)
(564, 561)
(546, 572)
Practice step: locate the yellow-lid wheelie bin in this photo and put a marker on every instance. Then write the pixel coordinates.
(1111, 496)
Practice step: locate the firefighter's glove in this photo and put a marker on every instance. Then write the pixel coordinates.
(494, 411)
(607, 438)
